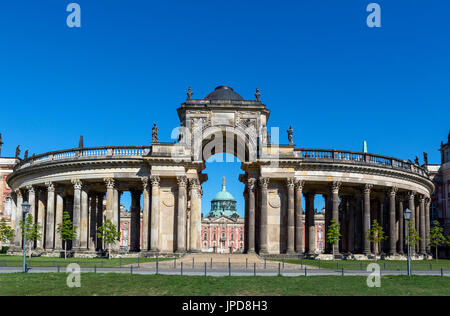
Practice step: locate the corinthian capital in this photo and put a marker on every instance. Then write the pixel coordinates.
(393, 191)
(155, 180)
(30, 188)
(264, 182)
(109, 183)
(144, 182)
(290, 183)
(77, 184)
(335, 186)
(182, 181)
(367, 188)
(299, 184)
(50, 186)
(251, 183)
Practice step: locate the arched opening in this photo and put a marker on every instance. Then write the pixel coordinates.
(223, 205)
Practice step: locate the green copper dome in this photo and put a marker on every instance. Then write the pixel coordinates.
(223, 204)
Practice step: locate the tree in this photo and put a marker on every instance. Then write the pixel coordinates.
(109, 234)
(414, 237)
(67, 231)
(6, 232)
(437, 236)
(333, 234)
(33, 231)
(376, 235)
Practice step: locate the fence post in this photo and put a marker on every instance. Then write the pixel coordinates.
(205, 268)
(246, 263)
(121, 262)
(442, 272)
(59, 268)
(229, 268)
(131, 269)
(279, 272)
(157, 265)
(254, 268)
(138, 260)
(192, 263)
(211, 263)
(265, 263)
(283, 262)
(95, 268)
(306, 274)
(181, 267)
(174, 263)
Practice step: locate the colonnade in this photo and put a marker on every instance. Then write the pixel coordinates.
(91, 203)
(352, 207)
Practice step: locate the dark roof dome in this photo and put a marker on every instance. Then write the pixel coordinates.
(224, 93)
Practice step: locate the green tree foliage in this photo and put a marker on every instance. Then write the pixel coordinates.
(6, 232)
(376, 235)
(333, 234)
(67, 231)
(437, 236)
(109, 234)
(414, 237)
(33, 231)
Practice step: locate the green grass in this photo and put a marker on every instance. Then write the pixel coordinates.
(16, 261)
(385, 264)
(49, 284)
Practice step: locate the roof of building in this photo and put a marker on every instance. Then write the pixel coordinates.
(224, 93)
(223, 195)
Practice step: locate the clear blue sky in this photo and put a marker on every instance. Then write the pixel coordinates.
(317, 64)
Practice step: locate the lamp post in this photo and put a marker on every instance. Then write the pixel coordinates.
(25, 209)
(407, 214)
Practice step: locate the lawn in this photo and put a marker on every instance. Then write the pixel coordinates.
(49, 284)
(362, 264)
(16, 261)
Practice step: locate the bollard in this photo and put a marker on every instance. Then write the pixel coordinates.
(157, 265)
(246, 263)
(205, 268)
(59, 268)
(431, 266)
(283, 263)
(95, 268)
(337, 265)
(211, 263)
(264, 263)
(279, 272)
(174, 263)
(442, 272)
(181, 267)
(192, 263)
(229, 269)
(131, 269)
(254, 269)
(306, 274)
(301, 262)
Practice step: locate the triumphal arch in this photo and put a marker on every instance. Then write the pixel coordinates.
(358, 187)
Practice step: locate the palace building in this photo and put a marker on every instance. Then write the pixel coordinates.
(357, 187)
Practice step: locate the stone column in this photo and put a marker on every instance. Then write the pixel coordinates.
(366, 218)
(154, 231)
(427, 224)
(263, 185)
(412, 208)
(343, 224)
(423, 237)
(50, 226)
(328, 208)
(116, 207)
(392, 232)
(145, 216)
(351, 226)
(100, 216)
(251, 215)
(299, 216)
(19, 218)
(181, 214)
(135, 225)
(196, 215)
(59, 217)
(417, 213)
(335, 206)
(40, 243)
(310, 223)
(291, 216)
(401, 225)
(93, 222)
(110, 186)
(84, 232)
(77, 186)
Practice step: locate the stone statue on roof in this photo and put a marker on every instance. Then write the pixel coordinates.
(154, 133)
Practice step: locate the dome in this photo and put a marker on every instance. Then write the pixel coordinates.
(223, 204)
(224, 93)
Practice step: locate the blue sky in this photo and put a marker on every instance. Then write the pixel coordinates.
(317, 64)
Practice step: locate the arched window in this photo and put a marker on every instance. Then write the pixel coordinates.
(8, 206)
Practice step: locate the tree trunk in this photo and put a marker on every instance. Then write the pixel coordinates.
(436, 253)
